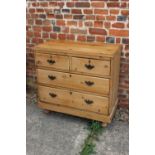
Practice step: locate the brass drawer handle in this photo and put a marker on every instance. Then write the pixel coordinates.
(89, 66)
(89, 83)
(53, 95)
(50, 61)
(88, 101)
(51, 77)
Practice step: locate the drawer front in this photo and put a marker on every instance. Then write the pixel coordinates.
(74, 99)
(54, 95)
(91, 66)
(80, 82)
(89, 102)
(52, 61)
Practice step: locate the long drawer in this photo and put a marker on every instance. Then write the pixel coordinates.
(79, 82)
(74, 99)
(91, 66)
(52, 61)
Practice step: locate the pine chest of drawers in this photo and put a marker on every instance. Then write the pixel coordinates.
(79, 79)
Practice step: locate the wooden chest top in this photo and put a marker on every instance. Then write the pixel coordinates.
(79, 48)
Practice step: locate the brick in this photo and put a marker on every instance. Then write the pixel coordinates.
(70, 4)
(76, 11)
(40, 10)
(81, 38)
(66, 10)
(62, 36)
(50, 16)
(99, 17)
(53, 35)
(125, 12)
(45, 35)
(30, 21)
(111, 18)
(126, 47)
(100, 38)
(123, 33)
(98, 4)
(89, 24)
(29, 34)
(65, 29)
(78, 16)
(31, 10)
(110, 39)
(82, 4)
(35, 4)
(42, 16)
(88, 11)
(121, 18)
(37, 28)
(47, 28)
(115, 12)
(37, 34)
(61, 4)
(113, 4)
(90, 17)
(123, 5)
(52, 4)
(38, 22)
(60, 23)
(78, 31)
(57, 11)
(71, 23)
(118, 40)
(125, 40)
(107, 24)
(37, 40)
(44, 4)
(46, 22)
(98, 24)
(118, 25)
(90, 38)
(97, 31)
(59, 16)
(34, 15)
(56, 29)
(100, 11)
(70, 37)
(67, 16)
(80, 23)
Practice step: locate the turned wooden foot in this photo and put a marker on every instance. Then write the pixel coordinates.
(46, 111)
(104, 124)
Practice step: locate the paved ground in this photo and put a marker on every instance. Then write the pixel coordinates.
(59, 134)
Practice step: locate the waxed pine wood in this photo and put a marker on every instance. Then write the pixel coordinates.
(77, 78)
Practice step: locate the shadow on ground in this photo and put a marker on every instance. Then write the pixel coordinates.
(60, 134)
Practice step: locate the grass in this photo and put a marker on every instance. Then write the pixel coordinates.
(95, 129)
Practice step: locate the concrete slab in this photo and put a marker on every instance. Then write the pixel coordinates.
(60, 134)
(114, 139)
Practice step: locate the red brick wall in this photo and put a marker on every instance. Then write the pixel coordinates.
(80, 20)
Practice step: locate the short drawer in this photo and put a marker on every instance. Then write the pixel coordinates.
(91, 66)
(74, 99)
(52, 61)
(90, 102)
(54, 95)
(79, 82)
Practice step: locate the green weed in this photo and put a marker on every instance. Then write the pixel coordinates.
(95, 129)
